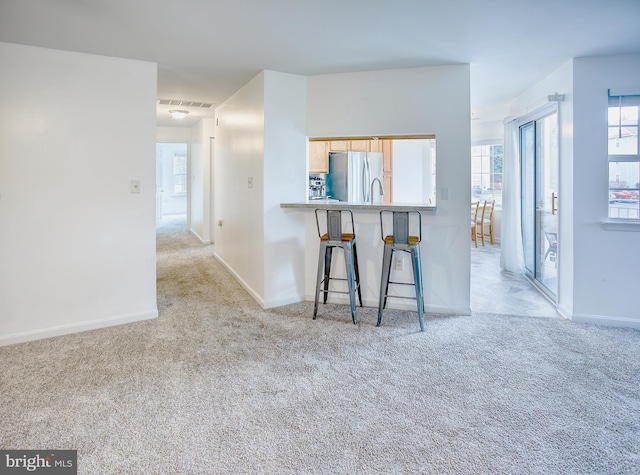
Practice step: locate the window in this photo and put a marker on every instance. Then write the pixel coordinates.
(179, 174)
(624, 158)
(486, 173)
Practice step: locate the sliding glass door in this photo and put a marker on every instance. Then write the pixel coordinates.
(539, 161)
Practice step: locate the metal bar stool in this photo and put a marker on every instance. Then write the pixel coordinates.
(334, 237)
(401, 240)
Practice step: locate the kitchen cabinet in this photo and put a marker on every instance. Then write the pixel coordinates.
(387, 152)
(365, 146)
(387, 181)
(318, 157)
(339, 145)
(386, 146)
(319, 153)
(359, 146)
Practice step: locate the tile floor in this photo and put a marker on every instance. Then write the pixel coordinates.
(494, 291)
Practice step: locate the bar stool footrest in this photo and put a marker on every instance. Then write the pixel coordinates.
(335, 237)
(402, 240)
(400, 297)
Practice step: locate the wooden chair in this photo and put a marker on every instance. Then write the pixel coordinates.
(475, 207)
(484, 222)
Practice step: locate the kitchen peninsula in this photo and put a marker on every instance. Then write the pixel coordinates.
(342, 176)
(370, 247)
(338, 205)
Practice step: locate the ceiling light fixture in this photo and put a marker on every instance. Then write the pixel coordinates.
(176, 114)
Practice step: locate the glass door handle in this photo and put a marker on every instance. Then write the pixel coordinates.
(554, 197)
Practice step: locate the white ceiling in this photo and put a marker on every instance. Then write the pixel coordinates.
(207, 49)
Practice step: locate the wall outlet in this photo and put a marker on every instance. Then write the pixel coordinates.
(250, 182)
(399, 263)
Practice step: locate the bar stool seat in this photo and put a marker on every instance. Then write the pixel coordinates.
(332, 238)
(413, 240)
(402, 241)
(345, 237)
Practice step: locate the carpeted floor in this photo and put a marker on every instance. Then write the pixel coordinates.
(218, 385)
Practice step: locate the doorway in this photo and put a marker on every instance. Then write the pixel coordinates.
(171, 181)
(539, 152)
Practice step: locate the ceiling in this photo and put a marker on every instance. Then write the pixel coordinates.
(208, 49)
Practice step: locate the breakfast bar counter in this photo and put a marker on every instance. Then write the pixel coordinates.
(370, 250)
(338, 205)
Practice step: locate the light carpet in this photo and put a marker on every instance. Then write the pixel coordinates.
(218, 385)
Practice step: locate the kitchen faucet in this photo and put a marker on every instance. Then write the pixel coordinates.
(381, 188)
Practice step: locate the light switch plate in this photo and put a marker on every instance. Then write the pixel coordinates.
(135, 186)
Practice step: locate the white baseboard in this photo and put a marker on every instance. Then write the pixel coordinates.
(240, 280)
(42, 333)
(564, 311)
(607, 321)
(203, 241)
(263, 303)
(281, 302)
(395, 304)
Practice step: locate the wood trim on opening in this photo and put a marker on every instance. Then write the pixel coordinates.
(377, 137)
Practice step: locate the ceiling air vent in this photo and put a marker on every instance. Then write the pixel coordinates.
(178, 102)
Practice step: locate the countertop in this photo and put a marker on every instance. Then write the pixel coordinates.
(337, 205)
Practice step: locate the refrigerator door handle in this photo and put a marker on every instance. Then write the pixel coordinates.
(366, 180)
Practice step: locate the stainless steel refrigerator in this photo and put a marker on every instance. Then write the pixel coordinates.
(351, 175)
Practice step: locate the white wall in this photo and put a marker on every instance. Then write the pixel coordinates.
(597, 267)
(491, 131)
(77, 247)
(200, 212)
(239, 156)
(260, 134)
(261, 138)
(407, 171)
(560, 81)
(398, 102)
(606, 262)
(285, 173)
(412, 171)
(173, 134)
